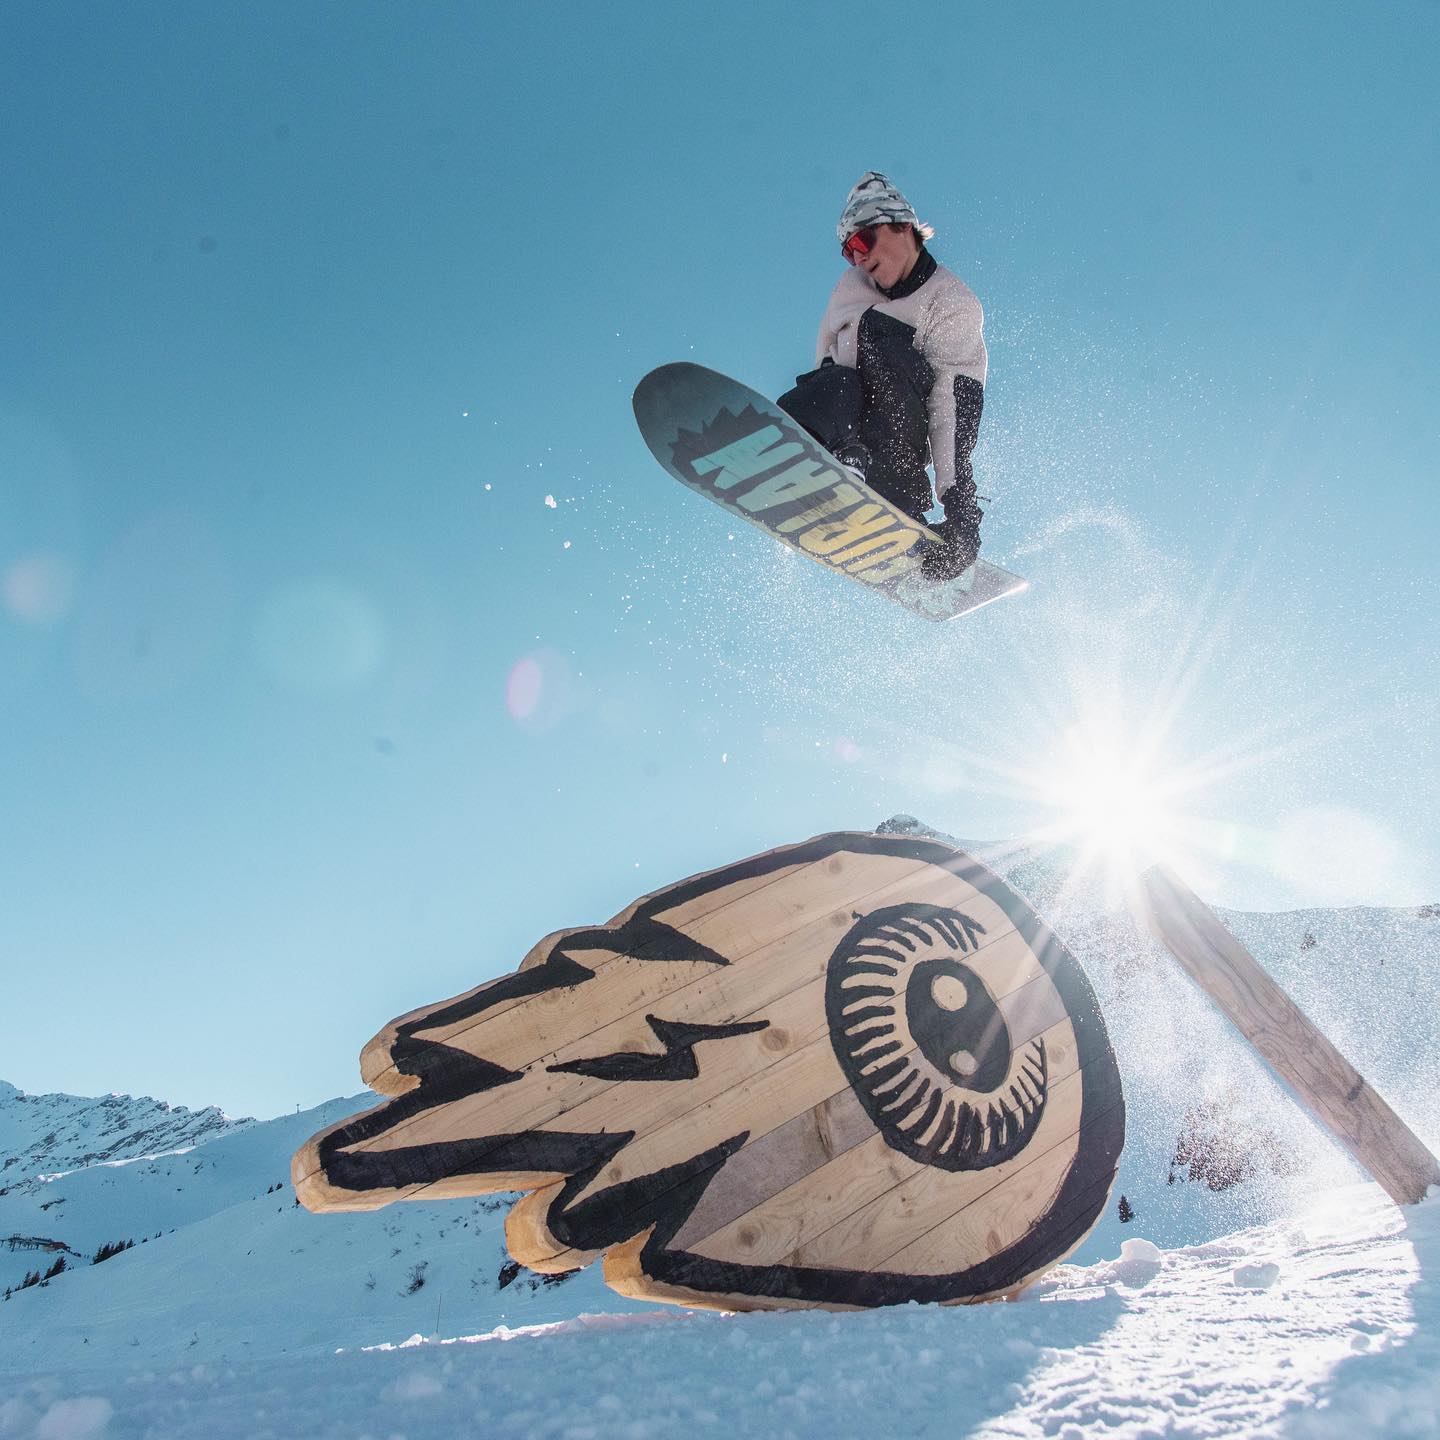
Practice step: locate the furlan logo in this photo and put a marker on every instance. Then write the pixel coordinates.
(778, 477)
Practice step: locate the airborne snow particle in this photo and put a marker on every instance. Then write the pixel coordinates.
(567, 544)
(550, 501)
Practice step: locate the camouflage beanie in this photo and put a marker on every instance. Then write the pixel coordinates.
(875, 201)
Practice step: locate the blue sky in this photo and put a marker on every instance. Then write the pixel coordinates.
(310, 713)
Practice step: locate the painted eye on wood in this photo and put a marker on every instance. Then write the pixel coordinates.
(924, 1044)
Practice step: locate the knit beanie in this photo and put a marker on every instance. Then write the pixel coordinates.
(875, 201)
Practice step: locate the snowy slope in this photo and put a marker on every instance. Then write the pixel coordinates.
(1321, 1326)
(226, 1263)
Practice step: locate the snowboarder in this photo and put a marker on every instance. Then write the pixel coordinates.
(900, 371)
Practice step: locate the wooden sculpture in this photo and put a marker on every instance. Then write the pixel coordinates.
(855, 1071)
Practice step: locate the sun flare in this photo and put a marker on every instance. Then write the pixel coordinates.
(1115, 799)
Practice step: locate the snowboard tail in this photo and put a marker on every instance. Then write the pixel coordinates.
(740, 450)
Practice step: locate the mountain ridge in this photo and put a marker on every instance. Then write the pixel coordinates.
(55, 1133)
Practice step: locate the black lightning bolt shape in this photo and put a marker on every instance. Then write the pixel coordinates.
(677, 1063)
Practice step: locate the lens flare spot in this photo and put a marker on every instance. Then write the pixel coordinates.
(524, 688)
(320, 634)
(38, 590)
(847, 751)
(155, 609)
(542, 690)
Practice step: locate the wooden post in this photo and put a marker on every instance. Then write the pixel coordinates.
(1324, 1081)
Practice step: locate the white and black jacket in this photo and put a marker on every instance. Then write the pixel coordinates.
(948, 325)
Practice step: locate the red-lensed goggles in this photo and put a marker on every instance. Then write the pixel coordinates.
(859, 245)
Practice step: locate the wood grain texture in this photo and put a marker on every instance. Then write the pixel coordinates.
(855, 1071)
(827, 1213)
(1319, 1075)
(777, 942)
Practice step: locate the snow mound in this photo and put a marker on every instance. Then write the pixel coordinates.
(1345, 1345)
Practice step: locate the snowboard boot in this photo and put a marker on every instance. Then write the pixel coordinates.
(854, 457)
(957, 543)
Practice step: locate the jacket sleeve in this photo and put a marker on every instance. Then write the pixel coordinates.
(954, 344)
(825, 341)
(848, 301)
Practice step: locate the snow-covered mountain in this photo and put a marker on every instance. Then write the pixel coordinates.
(47, 1134)
(226, 1264)
(226, 1268)
(45, 1138)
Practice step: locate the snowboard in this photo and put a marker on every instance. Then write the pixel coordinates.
(735, 447)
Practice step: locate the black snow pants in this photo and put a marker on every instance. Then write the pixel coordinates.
(884, 406)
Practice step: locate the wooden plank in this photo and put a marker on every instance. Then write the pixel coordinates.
(376, 1066)
(1031, 1009)
(1005, 962)
(803, 1078)
(761, 1102)
(864, 1172)
(773, 1227)
(528, 1237)
(1318, 1074)
(662, 1115)
(624, 1269)
(1033, 1256)
(776, 1163)
(755, 979)
(994, 1220)
(788, 923)
(567, 1101)
(741, 916)
(744, 1062)
(796, 1020)
(624, 1265)
(878, 1229)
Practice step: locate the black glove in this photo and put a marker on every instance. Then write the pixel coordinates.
(958, 534)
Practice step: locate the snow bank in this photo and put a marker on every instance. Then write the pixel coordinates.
(1151, 1342)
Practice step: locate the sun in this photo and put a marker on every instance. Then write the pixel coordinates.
(1110, 799)
(1114, 798)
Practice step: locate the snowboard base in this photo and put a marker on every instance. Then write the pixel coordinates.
(735, 447)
